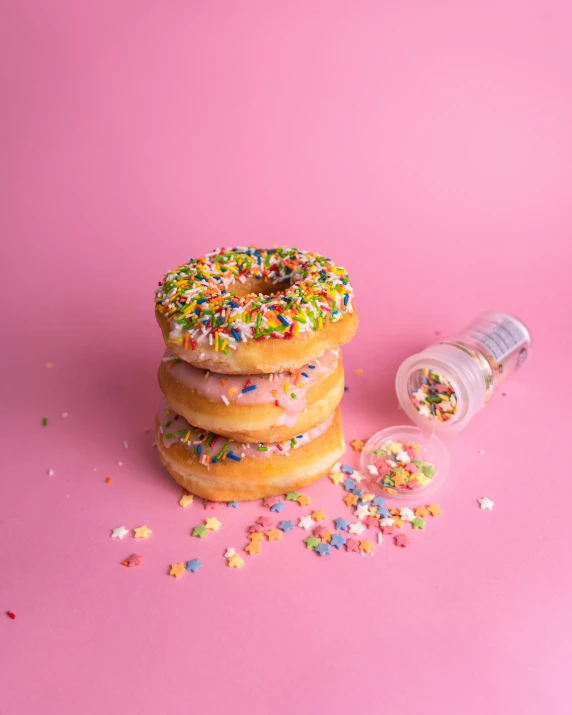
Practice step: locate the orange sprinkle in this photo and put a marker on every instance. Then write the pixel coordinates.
(109, 480)
(223, 382)
(187, 338)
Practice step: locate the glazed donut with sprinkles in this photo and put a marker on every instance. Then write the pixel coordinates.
(249, 310)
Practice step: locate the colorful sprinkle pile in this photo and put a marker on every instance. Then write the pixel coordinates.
(201, 303)
(399, 468)
(434, 397)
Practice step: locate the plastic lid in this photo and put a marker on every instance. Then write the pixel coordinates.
(418, 470)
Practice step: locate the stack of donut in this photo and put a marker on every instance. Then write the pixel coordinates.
(252, 373)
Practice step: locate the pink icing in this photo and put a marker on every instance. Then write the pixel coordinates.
(269, 388)
(175, 428)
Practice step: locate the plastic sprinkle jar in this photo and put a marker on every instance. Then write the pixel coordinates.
(441, 389)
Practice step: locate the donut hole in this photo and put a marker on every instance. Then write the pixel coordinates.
(259, 287)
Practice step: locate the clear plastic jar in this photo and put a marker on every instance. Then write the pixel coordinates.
(441, 389)
(445, 385)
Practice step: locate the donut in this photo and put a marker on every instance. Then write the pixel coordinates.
(255, 408)
(219, 469)
(246, 311)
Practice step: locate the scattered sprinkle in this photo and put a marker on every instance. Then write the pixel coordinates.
(213, 524)
(306, 522)
(323, 549)
(255, 547)
(194, 565)
(45, 421)
(186, 500)
(304, 500)
(236, 562)
(51, 472)
(402, 540)
(177, 570)
(119, 533)
(357, 444)
(274, 535)
(200, 531)
(486, 503)
(141, 532)
(318, 515)
(133, 560)
(286, 525)
(359, 371)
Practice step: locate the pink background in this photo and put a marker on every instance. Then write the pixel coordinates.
(426, 147)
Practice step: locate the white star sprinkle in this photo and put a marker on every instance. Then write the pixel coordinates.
(372, 469)
(357, 528)
(403, 457)
(486, 503)
(424, 410)
(357, 476)
(406, 514)
(306, 522)
(386, 521)
(362, 511)
(419, 395)
(229, 553)
(119, 533)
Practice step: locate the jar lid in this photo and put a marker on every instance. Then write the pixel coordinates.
(403, 462)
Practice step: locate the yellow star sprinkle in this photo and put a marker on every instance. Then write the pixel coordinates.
(141, 532)
(186, 500)
(367, 497)
(177, 570)
(337, 477)
(318, 515)
(421, 512)
(303, 500)
(274, 535)
(235, 561)
(255, 536)
(366, 546)
(373, 511)
(254, 547)
(213, 524)
(434, 509)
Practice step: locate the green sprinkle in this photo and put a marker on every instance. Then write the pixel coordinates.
(169, 423)
(262, 448)
(45, 421)
(170, 436)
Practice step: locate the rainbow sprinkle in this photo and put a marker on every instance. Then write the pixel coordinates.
(198, 301)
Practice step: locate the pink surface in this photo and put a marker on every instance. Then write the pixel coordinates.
(423, 145)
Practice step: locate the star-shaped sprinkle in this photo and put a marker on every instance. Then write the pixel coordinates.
(398, 522)
(323, 549)
(366, 546)
(372, 469)
(383, 512)
(255, 547)
(327, 536)
(133, 560)
(386, 521)
(254, 528)
(361, 511)
(212, 523)
(232, 504)
(264, 521)
(351, 500)
(177, 570)
(292, 496)
(141, 532)
(357, 444)
(270, 501)
(357, 528)
(379, 502)
(367, 497)
(401, 540)
(304, 500)
(306, 522)
(286, 525)
(235, 562)
(119, 533)
(337, 477)
(434, 509)
(388, 530)
(486, 503)
(338, 540)
(341, 524)
(352, 545)
(349, 484)
(274, 535)
(371, 522)
(346, 469)
(319, 531)
(406, 514)
(418, 523)
(210, 505)
(200, 531)
(358, 492)
(186, 500)
(311, 542)
(277, 508)
(256, 536)
(229, 553)
(194, 565)
(421, 512)
(318, 515)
